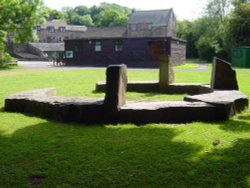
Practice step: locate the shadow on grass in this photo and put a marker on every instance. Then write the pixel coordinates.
(235, 125)
(116, 156)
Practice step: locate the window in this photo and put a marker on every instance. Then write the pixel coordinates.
(69, 54)
(38, 28)
(149, 26)
(133, 27)
(60, 39)
(98, 46)
(118, 46)
(51, 29)
(62, 29)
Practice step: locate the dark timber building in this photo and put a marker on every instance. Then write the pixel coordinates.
(148, 35)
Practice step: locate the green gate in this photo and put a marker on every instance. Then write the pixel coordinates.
(241, 57)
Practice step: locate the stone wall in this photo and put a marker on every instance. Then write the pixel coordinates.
(45, 36)
(218, 105)
(178, 52)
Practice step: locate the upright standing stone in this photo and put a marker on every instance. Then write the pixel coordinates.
(166, 73)
(223, 76)
(116, 86)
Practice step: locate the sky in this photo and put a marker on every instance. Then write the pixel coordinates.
(184, 9)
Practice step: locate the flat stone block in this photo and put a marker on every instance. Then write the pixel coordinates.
(100, 87)
(167, 112)
(134, 86)
(227, 102)
(189, 88)
(143, 86)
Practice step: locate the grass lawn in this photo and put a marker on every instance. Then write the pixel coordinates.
(35, 152)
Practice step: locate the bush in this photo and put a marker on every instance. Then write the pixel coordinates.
(6, 59)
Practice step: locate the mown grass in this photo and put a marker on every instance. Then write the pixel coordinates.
(35, 152)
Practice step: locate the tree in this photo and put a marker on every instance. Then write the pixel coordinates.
(86, 20)
(111, 18)
(51, 14)
(218, 9)
(238, 27)
(18, 17)
(105, 14)
(82, 10)
(185, 30)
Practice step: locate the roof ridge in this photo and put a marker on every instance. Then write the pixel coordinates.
(154, 10)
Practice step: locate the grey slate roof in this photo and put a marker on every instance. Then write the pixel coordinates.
(48, 47)
(62, 23)
(156, 17)
(104, 32)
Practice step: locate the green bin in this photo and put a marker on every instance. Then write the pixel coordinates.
(241, 57)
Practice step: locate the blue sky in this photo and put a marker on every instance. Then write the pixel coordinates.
(184, 9)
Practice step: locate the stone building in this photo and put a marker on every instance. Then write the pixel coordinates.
(149, 35)
(50, 40)
(57, 31)
(152, 23)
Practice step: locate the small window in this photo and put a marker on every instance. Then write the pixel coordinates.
(62, 29)
(69, 54)
(118, 46)
(98, 46)
(51, 29)
(133, 27)
(38, 28)
(149, 26)
(60, 39)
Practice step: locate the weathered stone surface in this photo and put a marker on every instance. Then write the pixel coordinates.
(134, 86)
(223, 76)
(189, 88)
(153, 86)
(227, 102)
(100, 86)
(116, 87)
(166, 73)
(143, 86)
(57, 108)
(167, 112)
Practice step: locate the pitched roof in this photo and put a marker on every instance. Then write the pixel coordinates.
(48, 47)
(155, 17)
(81, 28)
(55, 23)
(62, 23)
(104, 32)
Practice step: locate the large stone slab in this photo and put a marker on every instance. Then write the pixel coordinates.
(228, 103)
(167, 112)
(66, 109)
(134, 86)
(153, 86)
(223, 76)
(188, 88)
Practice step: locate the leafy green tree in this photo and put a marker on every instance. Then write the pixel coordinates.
(209, 30)
(218, 9)
(82, 10)
(86, 20)
(105, 14)
(185, 31)
(111, 18)
(51, 14)
(238, 27)
(18, 17)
